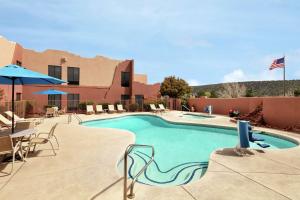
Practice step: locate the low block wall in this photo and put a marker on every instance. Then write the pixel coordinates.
(281, 112)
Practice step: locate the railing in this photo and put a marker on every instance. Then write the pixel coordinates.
(131, 186)
(76, 117)
(183, 106)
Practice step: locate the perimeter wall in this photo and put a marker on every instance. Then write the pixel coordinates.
(281, 112)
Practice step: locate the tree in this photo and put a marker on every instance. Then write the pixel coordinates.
(249, 93)
(175, 87)
(232, 90)
(297, 93)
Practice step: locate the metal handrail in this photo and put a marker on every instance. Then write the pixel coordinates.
(183, 106)
(131, 186)
(76, 116)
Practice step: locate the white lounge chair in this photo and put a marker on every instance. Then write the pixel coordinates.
(111, 109)
(162, 107)
(120, 108)
(6, 122)
(99, 109)
(50, 112)
(89, 109)
(16, 117)
(154, 109)
(35, 121)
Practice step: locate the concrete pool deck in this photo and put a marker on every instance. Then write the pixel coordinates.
(85, 168)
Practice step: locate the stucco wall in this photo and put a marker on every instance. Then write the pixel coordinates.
(281, 112)
(141, 78)
(149, 91)
(7, 49)
(97, 71)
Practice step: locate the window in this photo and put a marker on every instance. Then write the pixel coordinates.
(54, 100)
(73, 75)
(125, 97)
(73, 101)
(54, 71)
(18, 96)
(19, 63)
(125, 79)
(139, 99)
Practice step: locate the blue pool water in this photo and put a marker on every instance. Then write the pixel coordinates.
(181, 151)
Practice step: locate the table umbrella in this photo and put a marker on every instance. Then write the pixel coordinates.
(50, 91)
(16, 75)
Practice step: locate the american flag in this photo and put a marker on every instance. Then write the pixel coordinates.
(278, 63)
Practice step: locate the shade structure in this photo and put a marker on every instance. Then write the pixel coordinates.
(50, 91)
(17, 75)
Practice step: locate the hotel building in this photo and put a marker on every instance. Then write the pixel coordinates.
(98, 79)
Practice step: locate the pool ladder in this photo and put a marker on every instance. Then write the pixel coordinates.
(134, 179)
(76, 117)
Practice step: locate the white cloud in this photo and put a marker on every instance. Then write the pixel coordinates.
(238, 75)
(193, 82)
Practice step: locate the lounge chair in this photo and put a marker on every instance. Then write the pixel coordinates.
(55, 108)
(43, 140)
(154, 109)
(62, 111)
(111, 109)
(89, 109)
(99, 109)
(50, 112)
(162, 107)
(36, 121)
(120, 108)
(7, 147)
(6, 122)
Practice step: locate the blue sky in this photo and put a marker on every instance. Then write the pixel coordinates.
(201, 41)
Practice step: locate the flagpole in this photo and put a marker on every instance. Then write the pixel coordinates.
(284, 77)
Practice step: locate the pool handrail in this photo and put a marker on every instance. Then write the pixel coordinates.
(76, 116)
(131, 186)
(183, 106)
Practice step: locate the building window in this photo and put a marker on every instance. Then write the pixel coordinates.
(73, 102)
(125, 97)
(125, 79)
(139, 99)
(18, 96)
(54, 71)
(54, 100)
(73, 75)
(19, 63)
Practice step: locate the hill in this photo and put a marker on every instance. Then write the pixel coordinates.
(259, 88)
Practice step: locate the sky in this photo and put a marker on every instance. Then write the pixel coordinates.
(203, 42)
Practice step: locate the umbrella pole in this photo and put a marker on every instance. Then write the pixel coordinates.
(13, 106)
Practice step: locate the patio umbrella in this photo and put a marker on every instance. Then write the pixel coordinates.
(16, 75)
(50, 91)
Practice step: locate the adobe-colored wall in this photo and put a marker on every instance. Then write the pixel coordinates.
(222, 106)
(149, 91)
(141, 78)
(7, 49)
(97, 71)
(281, 112)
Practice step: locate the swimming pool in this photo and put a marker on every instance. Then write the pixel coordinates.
(196, 116)
(181, 151)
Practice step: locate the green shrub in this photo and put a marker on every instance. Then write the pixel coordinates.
(133, 107)
(297, 93)
(89, 102)
(82, 106)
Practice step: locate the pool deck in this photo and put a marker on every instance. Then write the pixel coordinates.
(85, 168)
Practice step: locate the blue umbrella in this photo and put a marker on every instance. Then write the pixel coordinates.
(16, 75)
(50, 91)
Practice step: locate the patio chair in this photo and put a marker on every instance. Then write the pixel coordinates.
(55, 108)
(6, 122)
(7, 147)
(154, 109)
(120, 108)
(162, 107)
(17, 118)
(43, 140)
(62, 111)
(89, 109)
(111, 109)
(99, 109)
(49, 112)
